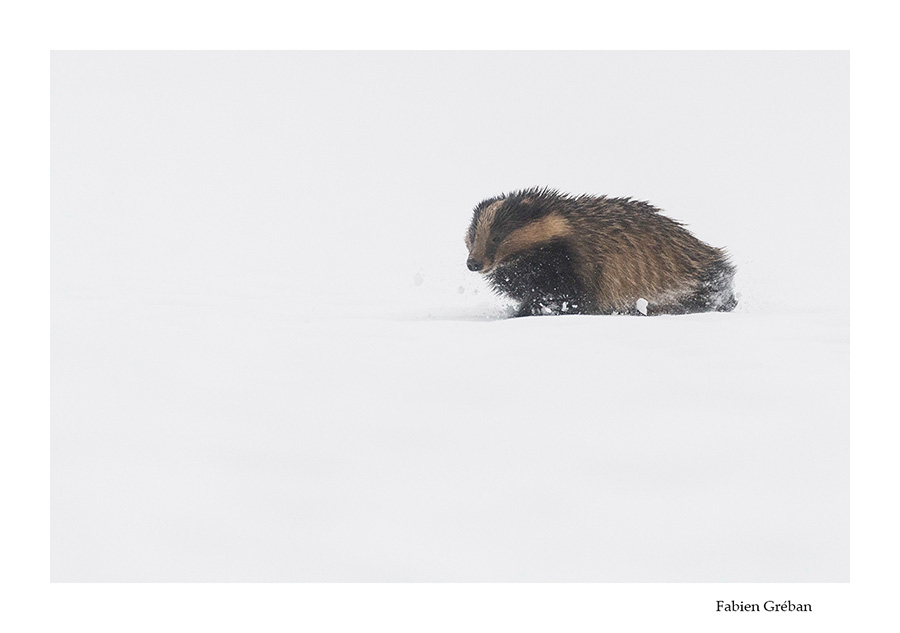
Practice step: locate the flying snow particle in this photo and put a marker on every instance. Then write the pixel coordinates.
(641, 305)
(549, 309)
(418, 279)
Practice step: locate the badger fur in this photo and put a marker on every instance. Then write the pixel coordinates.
(555, 253)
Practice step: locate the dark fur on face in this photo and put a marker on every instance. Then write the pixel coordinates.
(554, 253)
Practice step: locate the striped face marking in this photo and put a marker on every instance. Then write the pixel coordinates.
(483, 229)
(489, 247)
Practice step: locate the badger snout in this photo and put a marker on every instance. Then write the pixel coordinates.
(474, 265)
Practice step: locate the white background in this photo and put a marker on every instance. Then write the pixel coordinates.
(865, 601)
(270, 364)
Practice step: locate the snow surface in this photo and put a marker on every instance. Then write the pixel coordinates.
(269, 362)
(213, 443)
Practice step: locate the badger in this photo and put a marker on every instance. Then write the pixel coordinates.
(555, 253)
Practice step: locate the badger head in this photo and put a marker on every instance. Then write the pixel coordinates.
(504, 227)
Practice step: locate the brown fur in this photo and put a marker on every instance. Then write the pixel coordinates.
(610, 251)
(543, 230)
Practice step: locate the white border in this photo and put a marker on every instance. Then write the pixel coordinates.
(28, 33)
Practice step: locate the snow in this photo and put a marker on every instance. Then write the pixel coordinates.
(215, 442)
(269, 362)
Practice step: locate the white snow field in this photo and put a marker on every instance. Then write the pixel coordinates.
(269, 362)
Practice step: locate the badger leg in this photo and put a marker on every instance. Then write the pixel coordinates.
(531, 306)
(524, 310)
(544, 281)
(698, 302)
(540, 305)
(713, 293)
